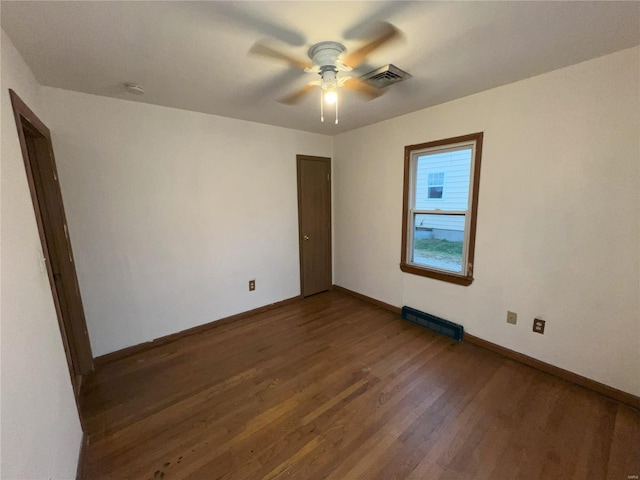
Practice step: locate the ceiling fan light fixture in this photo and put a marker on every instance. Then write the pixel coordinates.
(330, 96)
(328, 86)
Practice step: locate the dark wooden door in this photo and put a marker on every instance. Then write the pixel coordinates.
(37, 150)
(314, 216)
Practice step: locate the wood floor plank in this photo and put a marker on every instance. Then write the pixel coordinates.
(624, 457)
(331, 387)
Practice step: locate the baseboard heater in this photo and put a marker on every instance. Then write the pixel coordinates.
(436, 324)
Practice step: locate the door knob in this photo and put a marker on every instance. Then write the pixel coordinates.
(306, 237)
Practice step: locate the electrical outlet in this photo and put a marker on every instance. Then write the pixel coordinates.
(538, 325)
(252, 285)
(512, 317)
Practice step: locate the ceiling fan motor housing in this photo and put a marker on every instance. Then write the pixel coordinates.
(325, 55)
(329, 77)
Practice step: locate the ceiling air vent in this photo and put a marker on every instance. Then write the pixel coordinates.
(385, 76)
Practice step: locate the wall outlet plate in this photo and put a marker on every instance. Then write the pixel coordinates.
(512, 317)
(252, 285)
(538, 325)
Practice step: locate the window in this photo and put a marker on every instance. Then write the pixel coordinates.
(438, 231)
(435, 185)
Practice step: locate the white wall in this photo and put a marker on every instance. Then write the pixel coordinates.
(41, 432)
(171, 213)
(558, 228)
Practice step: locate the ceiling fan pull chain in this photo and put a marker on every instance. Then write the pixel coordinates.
(336, 110)
(321, 105)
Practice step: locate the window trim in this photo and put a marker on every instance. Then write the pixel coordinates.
(405, 264)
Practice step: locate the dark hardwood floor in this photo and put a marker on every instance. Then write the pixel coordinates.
(333, 387)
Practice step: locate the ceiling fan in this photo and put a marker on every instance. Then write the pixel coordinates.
(330, 60)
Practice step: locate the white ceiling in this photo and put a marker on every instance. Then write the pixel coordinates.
(193, 55)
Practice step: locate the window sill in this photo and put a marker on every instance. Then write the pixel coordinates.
(445, 277)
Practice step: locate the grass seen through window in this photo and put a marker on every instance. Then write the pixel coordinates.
(440, 251)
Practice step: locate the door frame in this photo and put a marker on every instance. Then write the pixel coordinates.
(299, 159)
(32, 132)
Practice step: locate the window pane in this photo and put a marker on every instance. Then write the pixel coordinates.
(436, 178)
(438, 241)
(435, 192)
(450, 171)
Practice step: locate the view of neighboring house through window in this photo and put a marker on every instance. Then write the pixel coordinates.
(440, 203)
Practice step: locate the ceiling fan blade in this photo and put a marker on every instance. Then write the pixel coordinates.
(251, 17)
(363, 88)
(298, 95)
(267, 51)
(386, 34)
